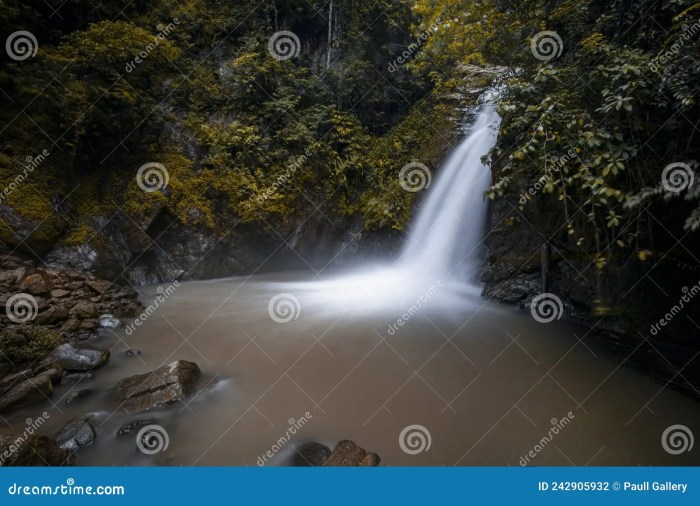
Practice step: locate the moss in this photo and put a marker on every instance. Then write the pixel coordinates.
(28, 343)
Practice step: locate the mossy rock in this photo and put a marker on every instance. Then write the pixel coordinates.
(28, 343)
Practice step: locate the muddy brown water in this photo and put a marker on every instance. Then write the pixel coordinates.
(485, 382)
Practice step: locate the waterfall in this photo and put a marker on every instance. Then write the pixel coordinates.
(445, 240)
(441, 257)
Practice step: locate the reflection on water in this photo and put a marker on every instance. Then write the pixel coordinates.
(486, 381)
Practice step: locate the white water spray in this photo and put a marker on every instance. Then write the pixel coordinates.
(445, 241)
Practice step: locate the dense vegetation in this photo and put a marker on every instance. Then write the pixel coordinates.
(593, 126)
(194, 87)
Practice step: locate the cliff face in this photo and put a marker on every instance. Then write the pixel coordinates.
(623, 304)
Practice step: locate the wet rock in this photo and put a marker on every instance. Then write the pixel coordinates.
(347, 453)
(76, 377)
(85, 310)
(77, 395)
(75, 435)
(88, 325)
(134, 427)
(310, 454)
(35, 450)
(166, 385)
(36, 284)
(31, 391)
(79, 358)
(13, 379)
(53, 371)
(108, 321)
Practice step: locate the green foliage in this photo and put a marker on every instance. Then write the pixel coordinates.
(28, 343)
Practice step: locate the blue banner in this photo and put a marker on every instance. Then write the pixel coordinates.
(323, 486)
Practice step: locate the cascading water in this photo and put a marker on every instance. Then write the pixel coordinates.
(443, 248)
(445, 239)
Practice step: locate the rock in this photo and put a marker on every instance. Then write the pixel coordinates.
(36, 284)
(88, 325)
(133, 353)
(347, 453)
(13, 379)
(35, 450)
(13, 276)
(28, 392)
(51, 316)
(5, 369)
(59, 293)
(77, 395)
(134, 427)
(310, 454)
(108, 321)
(76, 377)
(53, 371)
(79, 358)
(75, 435)
(164, 386)
(85, 310)
(99, 286)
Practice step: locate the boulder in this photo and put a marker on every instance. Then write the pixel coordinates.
(107, 321)
(76, 395)
(346, 453)
(79, 358)
(53, 371)
(99, 286)
(9, 381)
(76, 377)
(34, 450)
(75, 435)
(12, 277)
(310, 454)
(85, 310)
(31, 391)
(36, 284)
(156, 389)
(53, 315)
